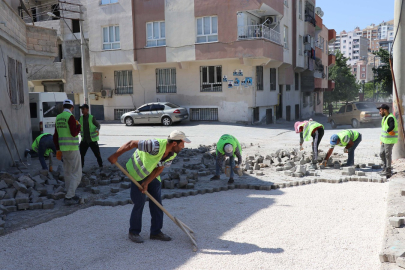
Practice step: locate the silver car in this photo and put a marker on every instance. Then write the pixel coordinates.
(155, 113)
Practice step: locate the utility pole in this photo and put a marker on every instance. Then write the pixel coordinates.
(399, 62)
(84, 67)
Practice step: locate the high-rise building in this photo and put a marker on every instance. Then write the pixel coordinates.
(351, 44)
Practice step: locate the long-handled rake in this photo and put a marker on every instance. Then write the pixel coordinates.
(184, 227)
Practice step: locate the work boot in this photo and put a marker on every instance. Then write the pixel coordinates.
(384, 169)
(161, 236)
(136, 238)
(215, 177)
(72, 201)
(386, 173)
(314, 167)
(230, 181)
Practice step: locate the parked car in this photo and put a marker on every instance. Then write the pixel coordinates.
(356, 114)
(155, 113)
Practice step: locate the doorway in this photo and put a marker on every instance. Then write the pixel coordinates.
(297, 111)
(269, 116)
(279, 112)
(288, 113)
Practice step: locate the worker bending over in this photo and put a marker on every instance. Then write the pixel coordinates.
(389, 137)
(349, 139)
(227, 146)
(43, 146)
(145, 166)
(90, 135)
(308, 129)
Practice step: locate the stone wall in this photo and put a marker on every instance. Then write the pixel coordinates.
(41, 41)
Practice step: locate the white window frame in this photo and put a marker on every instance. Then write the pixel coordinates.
(212, 33)
(300, 10)
(300, 42)
(108, 2)
(285, 37)
(216, 84)
(152, 41)
(111, 42)
(123, 82)
(166, 80)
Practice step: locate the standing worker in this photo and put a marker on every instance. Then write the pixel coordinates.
(330, 108)
(145, 166)
(89, 134)
(230, 147)
(350, 139)
(389, 137)
(43, 146)
(67, 143)
(308, 129)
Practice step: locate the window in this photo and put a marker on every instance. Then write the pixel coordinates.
(76, 26)
(350, 48)
(300, 9)
(211, 79)
(344, 47)
(288, 87)
(286, 3)
(157, 107)
(363, 69)
(15, 81)
(33, 110)
(156, 34)
(259, 78)
(166, 80)
(77, 65)
(349, 108)
(106, 2)
(285, 37)
(60, 55)
(207, 29)
(363, 75)
(119, 112)
(111, 38)
(355, 69)
(273, 79)
(297, 81)
(350, 53)
(342, 109)
(145, 108)
(300, 45)
(123, 82)
(52, 109)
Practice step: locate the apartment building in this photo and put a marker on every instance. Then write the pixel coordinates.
(352, 45)
(20, 45)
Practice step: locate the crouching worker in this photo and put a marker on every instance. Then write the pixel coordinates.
(145, 166)
(43, 146)
(349, 139)
(308, 129)
(227, 146)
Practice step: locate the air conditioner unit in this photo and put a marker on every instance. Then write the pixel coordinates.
(271, 20)
(106, 93)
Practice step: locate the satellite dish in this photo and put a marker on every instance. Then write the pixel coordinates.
(319, 12)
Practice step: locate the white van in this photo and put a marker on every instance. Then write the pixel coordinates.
(44, 107)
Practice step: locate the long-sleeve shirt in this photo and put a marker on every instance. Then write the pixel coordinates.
(152, 147)
(86, 128)
(221, 157)
(74, 130)
(391, 124)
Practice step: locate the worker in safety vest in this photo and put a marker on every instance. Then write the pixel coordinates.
(307, 130)
(66, 140)
(43, 146)
(227, 146)
(389, 137)
(349, 139)
(90, 135)
(145, 166)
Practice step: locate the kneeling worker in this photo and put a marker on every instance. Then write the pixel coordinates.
(349, 139)
(308, 129)
(43, 145)
(145, 166)
(228, 146)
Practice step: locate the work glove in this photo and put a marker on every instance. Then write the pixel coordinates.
(59, 155)
(324, 163)
(50, 169)
(392, 133)
(97, 132)
(346, 150)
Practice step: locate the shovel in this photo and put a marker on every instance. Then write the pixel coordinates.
(183, 227)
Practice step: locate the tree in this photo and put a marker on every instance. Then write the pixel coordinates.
(346, 88)
(383, 72)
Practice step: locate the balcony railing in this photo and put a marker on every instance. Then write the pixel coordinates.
(258, 32)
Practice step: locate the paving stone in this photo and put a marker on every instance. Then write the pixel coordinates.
(274, 186)
(244, 186)
(298, 174)
(349, 170)
(23, 206)
(231, 187)
(363, 179)
(190, 186)
(279, 169)
(3, 184)
(59, 189)
(116, 180)
(336, 166)
(177, 195)
(217, 189)
(8, 202)
(125, 185)
(360, 173)
(400, 261)
(2, 223)
(95, 190)
(193, 192)
(48, 204)
(314, 181)
(34, 206)
(58, 196)
(20, 187)
(259, 173)
(114, 190)
(225, 188)
(403, 192)
(396, 222)
(251, 172)
(11, 208)
(209, 190)
(370, 164)
(104, 182)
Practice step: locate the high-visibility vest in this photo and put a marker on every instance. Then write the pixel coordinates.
(142, 164)
(308, 128)
(385, 137)
(346, 136)
(35, 144)
(66, 141)
(225, 139)
(92, 129)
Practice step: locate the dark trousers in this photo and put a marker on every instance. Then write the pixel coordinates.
(138, 198)
(350, 159)
(84, 146)
(330, 113)
(317, 137)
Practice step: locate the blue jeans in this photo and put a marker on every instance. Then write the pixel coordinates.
(45, 143)
(218, 166)
(350, 159)
(138, 198)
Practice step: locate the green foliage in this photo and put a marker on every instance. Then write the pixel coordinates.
(383, 72)
(346, 88)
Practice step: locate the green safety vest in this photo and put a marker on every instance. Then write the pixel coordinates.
(308, 128)
(35, 144)
(141, 164)
(346, 136)
(66, 141)
(385, 137)
(225, 139)
(92, 128)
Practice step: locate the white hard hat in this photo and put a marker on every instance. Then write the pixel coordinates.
(228, 148)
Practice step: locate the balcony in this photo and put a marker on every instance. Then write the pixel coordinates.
(331, 85)
(332, 35)
(53, 72)
(318, 21)
(258, 32)
(309, 18)
(331, 60)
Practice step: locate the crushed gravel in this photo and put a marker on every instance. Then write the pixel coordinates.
(318, 226)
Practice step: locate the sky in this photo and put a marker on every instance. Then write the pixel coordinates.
(347, 14)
